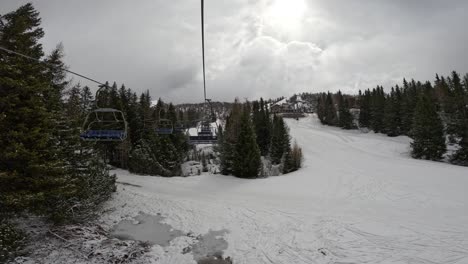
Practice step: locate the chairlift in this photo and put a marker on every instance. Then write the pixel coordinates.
(104, 124)
(165, 127)
(179, 127)
(206, 134)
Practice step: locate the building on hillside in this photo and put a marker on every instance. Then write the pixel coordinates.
(284, 108)
(275, 109)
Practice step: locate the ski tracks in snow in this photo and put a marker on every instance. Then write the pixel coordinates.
(358, 199)
(281, 236)
(352, 243)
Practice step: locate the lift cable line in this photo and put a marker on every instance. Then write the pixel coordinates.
(205, 133)
(51, 65)
(203, 44)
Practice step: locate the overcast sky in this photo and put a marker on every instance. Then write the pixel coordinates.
(254, 48)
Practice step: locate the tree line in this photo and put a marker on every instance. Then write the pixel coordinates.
(251, 133)
(45, 169)
(434, 115)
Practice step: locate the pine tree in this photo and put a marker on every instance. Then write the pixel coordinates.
(288, 162)
(87, 101)
(204, 163)
(377, 109)
(114, 98)
(73, 107)
(280, 140)
(265, 129)
(133, 118)
(392, 119)
(43, 170)
(261, 120)
(86, 182)
(365, 111)
(408, 105)
(28, 166)
(247, 154)
(458, 120)
(297, 156)
(145, 114)
(428, 131)
(230, 138)
(331, 118)
(171, 113)
(276, 148)
(344, 115)
(55, 72)
(160, 112)
(321, 110)
(293, 159)
(155, 155)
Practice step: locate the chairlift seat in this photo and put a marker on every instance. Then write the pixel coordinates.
(164, 131)
(103, 135)
(104, 124)
(179, 129)
(203, 139)
(205, 133)
(165, 127)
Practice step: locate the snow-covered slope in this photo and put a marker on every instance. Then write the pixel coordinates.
(360, 198)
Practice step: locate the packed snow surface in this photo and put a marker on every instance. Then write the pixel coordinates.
(360, 198)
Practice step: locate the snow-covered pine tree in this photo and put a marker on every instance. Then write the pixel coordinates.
(86, 99)
(145, 156)
(86, 181)
(29, 168)
(43, 173)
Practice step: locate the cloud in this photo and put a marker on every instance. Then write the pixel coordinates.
(252, 51)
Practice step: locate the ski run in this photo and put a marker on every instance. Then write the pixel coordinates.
(360, 198)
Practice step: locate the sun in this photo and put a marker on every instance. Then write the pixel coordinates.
(286, 14)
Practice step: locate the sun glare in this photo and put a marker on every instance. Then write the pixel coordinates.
(286, 14)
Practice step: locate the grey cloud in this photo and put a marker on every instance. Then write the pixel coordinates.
(346, 45)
